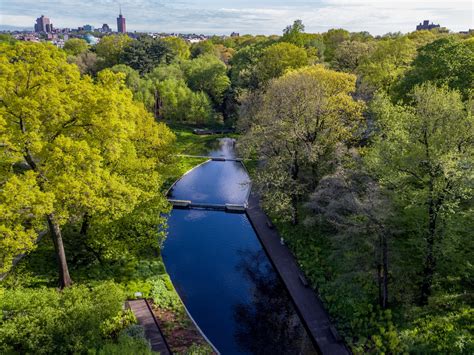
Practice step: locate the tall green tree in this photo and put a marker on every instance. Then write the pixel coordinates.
(294, 128)
(424, 154)
(294, 33)
(85, 148)
(350, 54)
(386, 64)
(278, 58)
(333, 39)
(75, 46)
(179, 47)
(202, 48)
(110, 48)
(146, 53)
(209, 74)
(447, 61)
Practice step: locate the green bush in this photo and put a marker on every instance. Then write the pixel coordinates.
(164, 294)
(112, 327)
(449, 333)
(126, 345)
(45, 321)
(196, 349)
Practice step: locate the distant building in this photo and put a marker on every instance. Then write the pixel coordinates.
(235, 34)
(91, 39)
(121, 26)
(105, 28)
(426, 25)
(88, 28)
(43, 24)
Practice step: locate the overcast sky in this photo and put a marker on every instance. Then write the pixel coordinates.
(244, 16)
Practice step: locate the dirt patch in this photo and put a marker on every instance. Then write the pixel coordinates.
(180, 332)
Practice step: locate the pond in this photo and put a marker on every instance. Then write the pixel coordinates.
(221, 271)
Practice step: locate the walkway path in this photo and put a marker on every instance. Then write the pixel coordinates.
(146, 319)
(308, 304)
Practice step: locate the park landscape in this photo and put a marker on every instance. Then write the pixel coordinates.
(360, 149)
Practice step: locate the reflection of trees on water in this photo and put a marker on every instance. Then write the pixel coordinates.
(269, 325)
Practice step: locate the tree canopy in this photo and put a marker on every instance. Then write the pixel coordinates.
(85, 147)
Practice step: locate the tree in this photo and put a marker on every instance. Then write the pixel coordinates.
(225, 54)
(75, 46)
(7, 38)
(202, 48)
(349, 55)
(424, 154)
(294, 128)
(179, 103)
(332, 39)
(294, 33)
(446, 61)
(207, 73)
(359, 210)
(243, 67)
(87, 63)
(387, 63)
(87, 150)
(147, 53)
(132, 78)
(278, 58)
(179, 47)
(110, 48)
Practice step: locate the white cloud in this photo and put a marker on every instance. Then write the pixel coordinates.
(246, 16)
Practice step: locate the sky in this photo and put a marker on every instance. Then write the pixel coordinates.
(243, 16)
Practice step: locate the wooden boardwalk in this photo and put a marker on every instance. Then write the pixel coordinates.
(308, 304)
(147, 320)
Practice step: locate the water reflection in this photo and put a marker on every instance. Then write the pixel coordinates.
(215, 182)
(224, 147)
(268, 324)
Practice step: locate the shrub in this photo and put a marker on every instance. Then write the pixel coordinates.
(164, 294)
(126, 345)
(45, 321)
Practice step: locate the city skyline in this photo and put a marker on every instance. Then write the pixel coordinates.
(245, 16)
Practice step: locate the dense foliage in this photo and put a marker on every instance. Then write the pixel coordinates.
(44, 321)
(377, 204)
(365, 163)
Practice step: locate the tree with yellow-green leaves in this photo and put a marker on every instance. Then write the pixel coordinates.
(294, 128)
(71, 150)
(111, 47)
(179, 46)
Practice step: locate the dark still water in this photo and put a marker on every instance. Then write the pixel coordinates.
(221, 272)
(214, 182)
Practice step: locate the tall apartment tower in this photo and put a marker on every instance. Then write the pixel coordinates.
(43, 24)
(121, 27)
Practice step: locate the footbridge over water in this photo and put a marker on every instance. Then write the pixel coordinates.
(210, 157)
(228, 207)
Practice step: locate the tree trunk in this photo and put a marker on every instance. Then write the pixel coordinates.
(384, 302)
(158, 105)
(430, 262)
(295, 169)
(55, 230)
(294, 207)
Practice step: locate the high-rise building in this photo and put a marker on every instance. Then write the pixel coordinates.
(43, 24)
(121, 27)
(88, 28)
(426, 25)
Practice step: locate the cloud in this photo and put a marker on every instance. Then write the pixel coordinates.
(245, 16)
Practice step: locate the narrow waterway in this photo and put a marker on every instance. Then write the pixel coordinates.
(221, 271)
